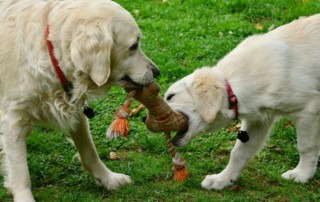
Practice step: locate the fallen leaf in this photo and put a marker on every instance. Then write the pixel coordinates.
(113, 156)
(136, 12)
(276, 148)
(271, 27)
(259, 26)
(137, 110)
(234, 128)
(288, 124)
(236, 188)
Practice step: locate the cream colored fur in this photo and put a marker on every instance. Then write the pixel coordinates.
(273, 74)
(97, 46)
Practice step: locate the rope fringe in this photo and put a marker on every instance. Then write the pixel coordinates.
(179, 168)
(120, 124)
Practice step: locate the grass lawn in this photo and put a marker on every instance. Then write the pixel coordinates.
(179, 36)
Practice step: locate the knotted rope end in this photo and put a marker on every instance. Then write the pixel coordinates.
(180, 171)
(179, 168)
(120, 124)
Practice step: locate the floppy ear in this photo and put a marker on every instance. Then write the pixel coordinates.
(207, 95)
(90, 51)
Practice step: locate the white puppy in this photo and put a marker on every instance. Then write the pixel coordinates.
(96, 44)
(272, 74)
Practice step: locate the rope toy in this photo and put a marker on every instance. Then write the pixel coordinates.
(161, 118)
(120, 125)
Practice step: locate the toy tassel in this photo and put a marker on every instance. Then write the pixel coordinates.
(180, 171)
(120, 124)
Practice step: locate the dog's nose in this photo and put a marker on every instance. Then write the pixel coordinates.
(155, 71)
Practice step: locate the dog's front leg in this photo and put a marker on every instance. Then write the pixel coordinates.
(17, 178)
(240, 155)
(91, 161)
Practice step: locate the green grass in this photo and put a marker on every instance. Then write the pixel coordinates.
(180, 36)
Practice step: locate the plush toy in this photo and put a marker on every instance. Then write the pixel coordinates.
(161, 118)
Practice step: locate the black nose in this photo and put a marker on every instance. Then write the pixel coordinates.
(155, 71)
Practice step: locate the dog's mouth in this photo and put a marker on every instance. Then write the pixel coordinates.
(176, 141)
(127, 79)
(129, 85)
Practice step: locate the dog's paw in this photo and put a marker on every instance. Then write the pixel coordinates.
(296, 175)
(24, 196)
(114, 181)
(216, 182)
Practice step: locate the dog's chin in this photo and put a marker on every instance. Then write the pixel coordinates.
(179, 139)
(126, 79)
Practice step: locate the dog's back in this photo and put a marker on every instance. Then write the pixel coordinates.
(281, 59)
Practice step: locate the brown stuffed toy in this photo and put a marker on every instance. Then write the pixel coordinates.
(161, 118)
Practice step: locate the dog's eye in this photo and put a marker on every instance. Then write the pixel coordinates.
(134, 47)
(170, 96)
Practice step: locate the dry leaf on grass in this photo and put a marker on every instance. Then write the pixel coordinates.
(236, 188)
(259, 26)
(113, 156)
(137, 110)
(235, 127)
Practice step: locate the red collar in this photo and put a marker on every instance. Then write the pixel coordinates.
(67, 85)
(233, 102)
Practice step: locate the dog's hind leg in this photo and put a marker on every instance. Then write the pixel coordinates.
(240, 155)
(308, 136)
(17, 179)
(90, 159)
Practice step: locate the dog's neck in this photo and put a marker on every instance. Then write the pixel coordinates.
(67, 85)
(233, 101)
(233, 105)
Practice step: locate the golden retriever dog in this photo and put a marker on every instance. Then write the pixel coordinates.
(264, 77)
(96, 46)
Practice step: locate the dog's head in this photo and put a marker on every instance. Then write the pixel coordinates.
(200, 96)
(105, 45)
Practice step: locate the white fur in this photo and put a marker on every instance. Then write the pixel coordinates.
(273, 74)
(92, 41)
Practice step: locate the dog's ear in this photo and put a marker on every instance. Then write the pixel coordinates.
(91, 51)
(207, 94)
